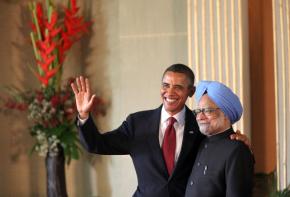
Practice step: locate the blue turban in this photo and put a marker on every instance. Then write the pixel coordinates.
(222, 96)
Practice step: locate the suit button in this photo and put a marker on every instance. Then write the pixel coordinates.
(205, 146)
(191, 182)
(198, 164)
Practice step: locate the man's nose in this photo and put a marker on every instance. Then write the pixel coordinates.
(200, 116)
(170, 89)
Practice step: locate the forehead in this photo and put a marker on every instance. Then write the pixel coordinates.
(205, 101)
(174, 77)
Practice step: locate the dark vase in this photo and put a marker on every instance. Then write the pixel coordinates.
(55, 172)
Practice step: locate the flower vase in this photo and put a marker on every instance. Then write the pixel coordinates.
(55, 172)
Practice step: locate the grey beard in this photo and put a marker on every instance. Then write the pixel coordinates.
(204, 128)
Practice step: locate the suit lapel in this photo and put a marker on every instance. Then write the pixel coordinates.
(191, 133)
(153, 140)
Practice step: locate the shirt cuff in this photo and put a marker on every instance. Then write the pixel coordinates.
(81, 121)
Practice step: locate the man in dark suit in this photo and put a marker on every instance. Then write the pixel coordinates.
(223, 167)
(162, 163)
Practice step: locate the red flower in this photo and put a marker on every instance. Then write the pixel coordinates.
(39, 96)
(9, 104)
(55, 37)
(22, 107)
(55, 100)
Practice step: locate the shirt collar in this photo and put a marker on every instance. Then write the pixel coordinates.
(221, 135)
(180, 116)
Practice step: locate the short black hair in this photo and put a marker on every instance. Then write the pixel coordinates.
(181, 68)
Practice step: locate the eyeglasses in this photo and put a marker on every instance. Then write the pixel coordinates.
(205, 111)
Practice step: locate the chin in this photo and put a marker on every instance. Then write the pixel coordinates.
(205, 133)
(170, 109)
(205, 130)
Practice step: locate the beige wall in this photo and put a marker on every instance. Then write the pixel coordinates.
(130, 45)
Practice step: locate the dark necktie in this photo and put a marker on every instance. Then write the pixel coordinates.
(169, 144)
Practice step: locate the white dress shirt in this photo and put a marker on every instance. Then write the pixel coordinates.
(179, 129)
(81, 121)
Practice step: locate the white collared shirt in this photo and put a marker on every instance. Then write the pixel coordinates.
(179, 128)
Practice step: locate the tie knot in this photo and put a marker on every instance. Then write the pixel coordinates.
(171, 120)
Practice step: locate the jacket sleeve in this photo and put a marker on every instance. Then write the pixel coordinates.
(116, 142)
(239, 173)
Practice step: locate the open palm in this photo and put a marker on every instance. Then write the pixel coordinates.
(84, 99)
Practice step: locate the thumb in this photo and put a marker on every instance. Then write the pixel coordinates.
(92, 100)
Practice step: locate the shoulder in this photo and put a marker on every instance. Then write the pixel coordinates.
(238, 149)
(226, 147)
(145, 114)
(235, 145)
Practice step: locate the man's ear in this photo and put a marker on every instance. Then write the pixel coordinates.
(192, 91)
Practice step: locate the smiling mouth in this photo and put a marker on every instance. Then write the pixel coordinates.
(170, 100)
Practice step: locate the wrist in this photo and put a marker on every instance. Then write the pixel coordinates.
(83, 115)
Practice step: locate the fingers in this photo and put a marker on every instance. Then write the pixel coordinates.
(241, 137)
(74, 88)
(233, 136)
(88, 88)
(78, 81)
(81, 84)
(92, 100)
(237, 135)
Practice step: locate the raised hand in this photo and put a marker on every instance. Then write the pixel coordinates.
(84, 99)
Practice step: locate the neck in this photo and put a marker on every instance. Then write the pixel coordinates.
(221, 131)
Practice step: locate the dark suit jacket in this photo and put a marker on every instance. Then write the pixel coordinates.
(223, 167)
(138, 137)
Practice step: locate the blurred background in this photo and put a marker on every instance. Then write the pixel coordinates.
(243, 43)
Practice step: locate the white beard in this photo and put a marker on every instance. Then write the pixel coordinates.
(204, 128)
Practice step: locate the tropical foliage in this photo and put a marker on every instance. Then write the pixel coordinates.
(51, 108)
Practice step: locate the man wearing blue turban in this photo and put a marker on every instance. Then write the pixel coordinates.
(223, 167)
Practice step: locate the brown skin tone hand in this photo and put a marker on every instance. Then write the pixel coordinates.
(241, 137)
(83, 97)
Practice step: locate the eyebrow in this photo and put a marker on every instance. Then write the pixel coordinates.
(175, 85)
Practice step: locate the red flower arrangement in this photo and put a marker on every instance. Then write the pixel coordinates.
(51, 108)
(52, 37)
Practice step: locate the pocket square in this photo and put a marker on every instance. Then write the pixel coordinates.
(191, 132)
